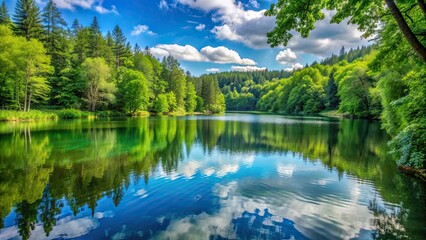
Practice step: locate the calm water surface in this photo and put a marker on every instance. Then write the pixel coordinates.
(237, 176)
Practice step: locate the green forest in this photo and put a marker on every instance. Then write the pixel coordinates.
(384, 81)
(44, 64)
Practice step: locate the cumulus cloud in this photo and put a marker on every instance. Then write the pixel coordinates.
(294, 67)
(164, 5)
(254, 3)
(200, 27)
(139, 29)
(225, 55)
(96, 5)
(286, 56)
(328, 38)
(220, 54)
(187, 52)
(212, 70)
(247, 68)
(234, 23)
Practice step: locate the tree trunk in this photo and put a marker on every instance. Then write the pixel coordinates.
(29, 100)
(405, 29)
(26, 92)
(422, 6)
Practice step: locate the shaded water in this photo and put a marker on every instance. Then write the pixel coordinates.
(237, 176)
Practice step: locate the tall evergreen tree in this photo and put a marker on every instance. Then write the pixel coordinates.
(136, 49)
(53, 25)
(4, 14)
(75, 27)
(27, 19)
(331, 89)
(119, 46)
(95, 39)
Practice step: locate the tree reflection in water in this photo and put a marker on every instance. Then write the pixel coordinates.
(46, 166)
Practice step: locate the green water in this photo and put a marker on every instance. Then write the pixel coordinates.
(237, 176)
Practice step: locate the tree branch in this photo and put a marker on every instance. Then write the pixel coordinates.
(405, 29)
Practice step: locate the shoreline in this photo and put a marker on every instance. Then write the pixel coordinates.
(66, 114)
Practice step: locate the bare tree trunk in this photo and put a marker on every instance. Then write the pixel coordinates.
(26, 90)
(17, 92)
(29, 100)
(422, 6)
(405, 29)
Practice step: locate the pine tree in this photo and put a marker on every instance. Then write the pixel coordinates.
(53, 25)
(27, 19)
(95, 39)
(75, 27)
(119, 46)
(4, 14)
(136, 49)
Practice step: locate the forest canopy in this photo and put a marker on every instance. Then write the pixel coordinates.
(46, 64)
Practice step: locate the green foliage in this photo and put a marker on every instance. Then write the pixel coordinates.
(191, 98)
(172, 102)
(161, 104)
(25, 66)
(9, 115)
(27, 21)
(355, 89)
(4, 14)
(72, 114)
(133, 91)
(99, 87)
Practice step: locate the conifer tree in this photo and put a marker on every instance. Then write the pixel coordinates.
(27, 19)
(4, 14)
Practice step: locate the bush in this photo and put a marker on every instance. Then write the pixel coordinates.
(109, 113)
(410, 146)
(69, 114)
(10, 115)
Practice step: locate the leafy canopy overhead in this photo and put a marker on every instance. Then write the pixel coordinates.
(301, 16)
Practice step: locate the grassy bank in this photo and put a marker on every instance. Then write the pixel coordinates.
(35, 115)
(333, 113)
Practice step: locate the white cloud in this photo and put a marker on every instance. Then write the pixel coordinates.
(225, 55)
(213, 70)
(254, 3)
(163, 5)
(293, 67)
(102, 10)
(200, 27)
(286, 56)
(220, 54)
(235, 23)
(187, 52)
(247, 68)
(328, 38)
(249, 27)
(96, 5)
(139, 29)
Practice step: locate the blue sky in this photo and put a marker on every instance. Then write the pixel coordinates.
(209, 35)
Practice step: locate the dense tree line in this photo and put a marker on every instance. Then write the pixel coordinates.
(385, 80)
(46, 64)
(394, 76)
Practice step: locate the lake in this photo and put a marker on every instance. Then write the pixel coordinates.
(237, 176)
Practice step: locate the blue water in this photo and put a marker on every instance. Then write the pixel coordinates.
(237, 176)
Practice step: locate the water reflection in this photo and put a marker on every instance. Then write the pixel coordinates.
(237, 176)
